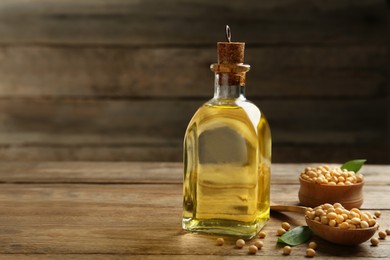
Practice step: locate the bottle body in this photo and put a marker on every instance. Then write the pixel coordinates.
(227, 159)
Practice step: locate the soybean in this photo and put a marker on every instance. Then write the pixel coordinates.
(310, 252)
(220, 241)
(286, 226)
(252, 249)
(286, 250)
(240, 243)
(382, 234)
(313, 245)
(280, 231)
(374, 241)
(259, 244)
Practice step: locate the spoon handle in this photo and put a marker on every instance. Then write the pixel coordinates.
(298, 209)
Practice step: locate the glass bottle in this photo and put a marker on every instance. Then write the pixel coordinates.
(227, 156)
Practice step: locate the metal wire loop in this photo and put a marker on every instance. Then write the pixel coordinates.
(228, 33)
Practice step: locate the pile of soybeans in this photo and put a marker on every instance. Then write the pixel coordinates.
(331, 176)
(337, 216)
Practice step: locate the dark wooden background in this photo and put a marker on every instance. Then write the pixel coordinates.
(120, 79)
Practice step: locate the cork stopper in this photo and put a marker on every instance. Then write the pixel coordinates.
(230, 66)
(230, 52)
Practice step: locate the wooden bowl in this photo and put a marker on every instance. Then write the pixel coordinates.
(313, 194)
(341, 236)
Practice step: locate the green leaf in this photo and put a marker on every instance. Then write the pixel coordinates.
(354, 165)
(296, 236)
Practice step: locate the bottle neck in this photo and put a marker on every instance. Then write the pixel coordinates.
(226, 88)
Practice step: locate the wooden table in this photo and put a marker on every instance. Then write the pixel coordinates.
(87, 210)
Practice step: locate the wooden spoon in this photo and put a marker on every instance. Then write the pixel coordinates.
(332, 234)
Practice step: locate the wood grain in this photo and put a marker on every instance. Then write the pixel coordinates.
(105, 129)
(174, 153)
(169, 118)
(147, 172)
(277, 72)
(148, 23)
(97, 80)
(166, 195)
(127, 210)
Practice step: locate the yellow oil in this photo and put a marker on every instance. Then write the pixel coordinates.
(227, 158)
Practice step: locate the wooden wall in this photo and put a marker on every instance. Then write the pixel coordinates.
(120, 79)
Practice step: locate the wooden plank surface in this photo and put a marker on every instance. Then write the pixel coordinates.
(110, 210)
(199, 22)
(277, 71)
(93, 80)
(174, 152)
(169, 119)
(134, 172)
(106, 129)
